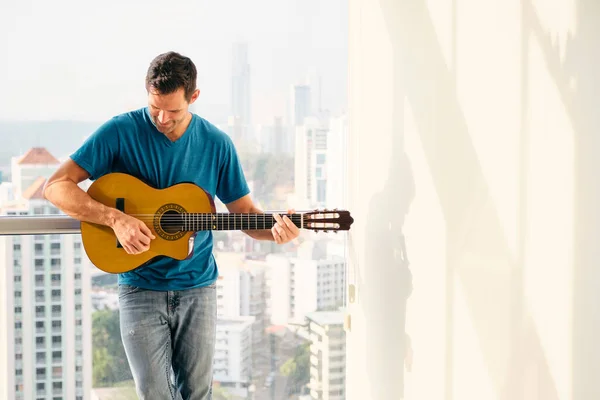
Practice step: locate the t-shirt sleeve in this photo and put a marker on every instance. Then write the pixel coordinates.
(231, 184)
(99, 150)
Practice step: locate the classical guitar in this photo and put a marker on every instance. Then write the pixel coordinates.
(174, 215)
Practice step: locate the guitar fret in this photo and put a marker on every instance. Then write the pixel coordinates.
(232, 221)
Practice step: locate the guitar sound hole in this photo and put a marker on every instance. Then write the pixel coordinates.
(171, 222)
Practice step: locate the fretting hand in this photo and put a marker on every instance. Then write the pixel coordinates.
(284, 230)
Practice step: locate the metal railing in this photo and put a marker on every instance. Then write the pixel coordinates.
(38, 225)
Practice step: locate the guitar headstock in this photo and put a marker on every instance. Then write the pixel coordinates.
(328, 220)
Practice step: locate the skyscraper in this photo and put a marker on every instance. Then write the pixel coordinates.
(327, 355)
(240, 87)
(45, 346)
(300, 106)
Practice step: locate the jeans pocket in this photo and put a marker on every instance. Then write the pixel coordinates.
(126, 290)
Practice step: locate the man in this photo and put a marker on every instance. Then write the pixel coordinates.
(167, 308)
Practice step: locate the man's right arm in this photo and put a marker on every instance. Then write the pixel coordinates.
(63, 191)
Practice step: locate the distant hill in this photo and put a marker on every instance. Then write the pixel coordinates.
(61, 138)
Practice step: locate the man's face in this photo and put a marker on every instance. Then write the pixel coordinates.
(169, 111)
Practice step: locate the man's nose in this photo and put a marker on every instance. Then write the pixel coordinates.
(162, 117)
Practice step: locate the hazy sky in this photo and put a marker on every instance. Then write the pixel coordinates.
(84, 60)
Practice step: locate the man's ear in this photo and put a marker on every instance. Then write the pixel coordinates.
(195, 96)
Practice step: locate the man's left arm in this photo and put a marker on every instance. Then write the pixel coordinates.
(282, 232)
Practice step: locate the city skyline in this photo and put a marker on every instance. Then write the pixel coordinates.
(96, 74)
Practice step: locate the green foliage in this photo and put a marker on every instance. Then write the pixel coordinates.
(297, 368)
(220, 393)
(109, 360)
(268, 171)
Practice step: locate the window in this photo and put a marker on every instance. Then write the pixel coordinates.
(272, 78)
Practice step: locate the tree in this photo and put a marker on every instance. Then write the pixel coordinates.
(268, 171)
(297, 368)
(109, 360)
(219, 393)
(272, 170)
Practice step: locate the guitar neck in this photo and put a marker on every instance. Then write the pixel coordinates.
(193, 222)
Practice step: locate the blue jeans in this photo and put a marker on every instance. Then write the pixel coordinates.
(169, 334)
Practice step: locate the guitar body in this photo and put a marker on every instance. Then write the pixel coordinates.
(152, 206)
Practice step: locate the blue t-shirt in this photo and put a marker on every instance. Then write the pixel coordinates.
(204, 155)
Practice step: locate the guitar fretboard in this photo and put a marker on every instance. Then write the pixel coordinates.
(232, 221)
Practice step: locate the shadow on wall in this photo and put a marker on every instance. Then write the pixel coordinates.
(581, 65)
(390, 288)
(509, 342)
(384, 234)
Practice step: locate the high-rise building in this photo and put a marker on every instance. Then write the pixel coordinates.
(313, 281)
(320, 162)
(300, 105)
(241, 291)
(310, 176)
(336, 160)
(327, 355)
(240, 90)
(45, 310)
(275, 138)
(232, 365)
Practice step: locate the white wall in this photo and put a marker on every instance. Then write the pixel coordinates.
(472, 130)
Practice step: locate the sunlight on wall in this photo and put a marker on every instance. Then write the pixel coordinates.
(558, 19)
(369, 160)
(488, 87)
(469, 364)
(548, 264)
(489, 232)
(426, 311)
(441, 12)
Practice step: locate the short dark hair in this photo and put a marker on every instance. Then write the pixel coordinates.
(169, 72)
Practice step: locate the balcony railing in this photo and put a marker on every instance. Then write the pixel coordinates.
(38, 225)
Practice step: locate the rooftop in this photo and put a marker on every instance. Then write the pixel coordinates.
(324, 318)
(235, 323)
(38, 156)
(36, 190)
